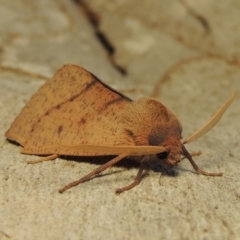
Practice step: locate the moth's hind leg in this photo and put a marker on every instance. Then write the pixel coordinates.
(94, 172)
(43, 159)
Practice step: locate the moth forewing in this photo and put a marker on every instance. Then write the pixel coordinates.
(73, 108)
(212, 122)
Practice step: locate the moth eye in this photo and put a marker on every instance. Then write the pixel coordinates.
(162, 155)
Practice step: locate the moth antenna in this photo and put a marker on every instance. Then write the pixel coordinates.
(212, 122)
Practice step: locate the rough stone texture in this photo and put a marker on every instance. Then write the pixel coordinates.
(165, 49)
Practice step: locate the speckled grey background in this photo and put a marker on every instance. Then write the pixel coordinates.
(184, 53)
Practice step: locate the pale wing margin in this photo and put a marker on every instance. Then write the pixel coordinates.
(114, 150)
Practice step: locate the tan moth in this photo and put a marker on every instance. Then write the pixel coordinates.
(75, 114)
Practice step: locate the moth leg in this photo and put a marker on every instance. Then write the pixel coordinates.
(94, 172)
(195, 166)
(43, 159)
(136, 181)
(193, 154)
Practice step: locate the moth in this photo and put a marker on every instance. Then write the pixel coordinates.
(76, 114)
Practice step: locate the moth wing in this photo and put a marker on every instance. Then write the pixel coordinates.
(212, 122)
(72, 108)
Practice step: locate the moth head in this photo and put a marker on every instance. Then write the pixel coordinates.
(172, 155)
(175, 148)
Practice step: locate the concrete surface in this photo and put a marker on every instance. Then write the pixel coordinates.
(184, 53)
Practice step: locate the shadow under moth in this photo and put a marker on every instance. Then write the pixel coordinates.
(76, 114)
